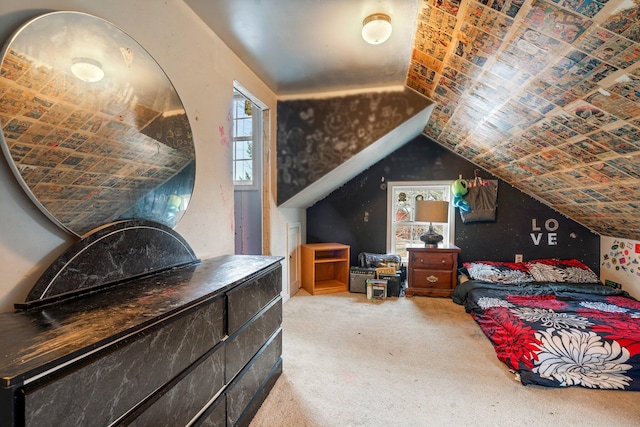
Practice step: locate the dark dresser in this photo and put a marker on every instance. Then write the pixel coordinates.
(198, 344)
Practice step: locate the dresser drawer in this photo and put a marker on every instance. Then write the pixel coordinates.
(442, 261)
(432, 279)
(132, 370)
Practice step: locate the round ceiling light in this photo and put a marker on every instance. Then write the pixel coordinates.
(87, 70)
(376, 28)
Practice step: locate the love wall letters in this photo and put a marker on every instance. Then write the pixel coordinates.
(550, 226)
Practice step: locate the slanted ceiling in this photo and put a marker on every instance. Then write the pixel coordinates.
(542, 94)
(323, 143)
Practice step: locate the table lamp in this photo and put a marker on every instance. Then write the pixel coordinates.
(431, 211)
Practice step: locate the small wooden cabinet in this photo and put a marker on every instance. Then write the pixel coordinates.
(325, 268)
(432, 271)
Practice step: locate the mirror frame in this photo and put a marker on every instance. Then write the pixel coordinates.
(92, 152)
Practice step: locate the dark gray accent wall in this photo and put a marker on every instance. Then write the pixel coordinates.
(356, 213)
(317, 135)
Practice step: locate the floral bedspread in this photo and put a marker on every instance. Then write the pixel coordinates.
(560, 335)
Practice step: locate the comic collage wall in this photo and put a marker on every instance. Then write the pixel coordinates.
(543, 94)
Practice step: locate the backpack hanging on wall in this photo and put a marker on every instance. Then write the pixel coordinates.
(482, 198)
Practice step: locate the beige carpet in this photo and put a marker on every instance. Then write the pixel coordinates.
(412, 362)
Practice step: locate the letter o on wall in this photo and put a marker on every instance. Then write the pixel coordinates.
(551, 224)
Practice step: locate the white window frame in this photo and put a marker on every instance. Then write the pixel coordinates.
(416, 228)
(256, 134)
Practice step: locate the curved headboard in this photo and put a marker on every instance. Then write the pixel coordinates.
(111, 255)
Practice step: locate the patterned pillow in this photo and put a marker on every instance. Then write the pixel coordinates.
(499, 272)
(561, 271)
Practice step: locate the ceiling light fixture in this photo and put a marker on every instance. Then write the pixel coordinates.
(376, 28)
(87, 70)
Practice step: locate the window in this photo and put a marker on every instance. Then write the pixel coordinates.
(246, 126)
(251, 213)
(401, 198)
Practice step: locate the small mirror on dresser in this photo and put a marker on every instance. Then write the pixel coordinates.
(92, 127)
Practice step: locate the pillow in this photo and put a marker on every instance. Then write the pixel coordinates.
(499, 272)
(561, 271)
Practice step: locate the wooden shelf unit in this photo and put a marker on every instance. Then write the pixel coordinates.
(325, 268)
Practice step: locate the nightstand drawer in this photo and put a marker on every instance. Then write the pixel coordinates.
(433, 279)
(432, 260)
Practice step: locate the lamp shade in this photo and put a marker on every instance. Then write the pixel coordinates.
(432, 211)
(376, 28)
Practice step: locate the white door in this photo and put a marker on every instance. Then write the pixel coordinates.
(294, 232)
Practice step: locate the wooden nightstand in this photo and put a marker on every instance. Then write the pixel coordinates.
(325, 268)
(432, 271)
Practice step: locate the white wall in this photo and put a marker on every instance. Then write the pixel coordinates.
(620, 262)
(202, 70)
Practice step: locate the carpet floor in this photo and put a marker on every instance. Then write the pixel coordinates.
(349, 361)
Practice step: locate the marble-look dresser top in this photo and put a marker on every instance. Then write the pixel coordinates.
(35, 339)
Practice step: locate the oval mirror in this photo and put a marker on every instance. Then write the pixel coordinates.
(92, 127)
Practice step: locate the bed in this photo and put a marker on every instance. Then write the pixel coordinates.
(553, 324)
